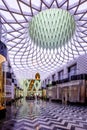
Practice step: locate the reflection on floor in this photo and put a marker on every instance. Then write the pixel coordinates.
(41, 115)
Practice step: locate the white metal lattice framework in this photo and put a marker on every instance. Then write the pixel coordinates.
(26, 57)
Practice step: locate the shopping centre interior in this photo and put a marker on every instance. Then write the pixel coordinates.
(43, 65)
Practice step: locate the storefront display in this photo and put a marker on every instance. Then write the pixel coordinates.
(2, 94)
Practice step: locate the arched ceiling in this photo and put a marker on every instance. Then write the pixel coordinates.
(26, 57)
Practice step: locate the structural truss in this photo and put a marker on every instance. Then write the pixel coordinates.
(26, 57)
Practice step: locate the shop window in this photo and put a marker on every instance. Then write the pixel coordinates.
(60, 75)
(48, 81)
(72, 70)
(53, 77)
(8, 75)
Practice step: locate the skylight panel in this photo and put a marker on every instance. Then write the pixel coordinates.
(21, 36)
(17, 60)
(19, 66)
(24, 24)
(22, 30)
(11, 43)
(8, 27)
(15, 33)
(83, 7)
(10, 36)
(73, 2)
(28, 18)
(12, 52)
(15, 50)
(85, 38)
(18, 17)
(2, 5)
(34, 11)
(22, 49)
(84, 17)
(17, 40)
(7, 15)
(25, 8)
(16, 26)
(12, 4)
(37, 3)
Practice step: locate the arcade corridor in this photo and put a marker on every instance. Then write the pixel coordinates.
(41, 115)
(43, 64)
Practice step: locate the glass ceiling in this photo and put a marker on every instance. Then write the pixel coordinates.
(51, 28)
(26, 57)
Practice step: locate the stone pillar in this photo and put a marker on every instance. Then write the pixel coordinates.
(78, 94)
(83, 92)
(57, 92)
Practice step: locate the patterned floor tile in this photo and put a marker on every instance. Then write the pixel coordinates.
(41, 115)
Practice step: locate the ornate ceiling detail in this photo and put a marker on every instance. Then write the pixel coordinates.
(51, 28)
(25, 56)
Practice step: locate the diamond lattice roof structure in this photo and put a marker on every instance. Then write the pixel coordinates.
(26, 57)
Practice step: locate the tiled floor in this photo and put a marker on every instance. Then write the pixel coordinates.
(41, 115)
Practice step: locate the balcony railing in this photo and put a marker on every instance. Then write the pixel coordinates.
(71, 78)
